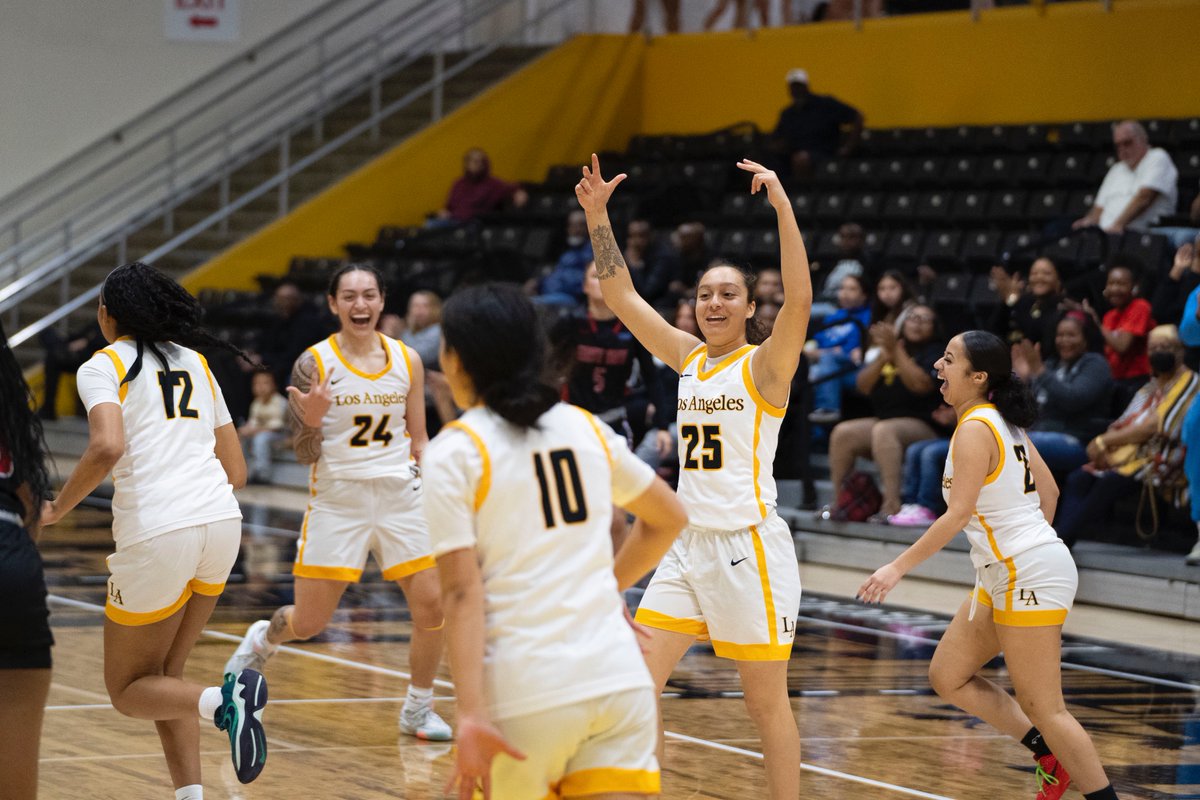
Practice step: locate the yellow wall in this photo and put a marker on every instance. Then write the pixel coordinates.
(578, 97)
(1074, 61)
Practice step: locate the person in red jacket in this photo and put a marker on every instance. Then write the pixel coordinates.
(477, 192)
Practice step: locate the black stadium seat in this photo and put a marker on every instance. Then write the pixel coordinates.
(1007, 208)
(969, 206)
(981, 249)
(942, 248)
(1072, 171)
(864, 207)
(1046, 205)
(933, 206)
(903, 249)
(928, 171)
(961, 171)
(734, 243)
(831, 207)
(900, 207)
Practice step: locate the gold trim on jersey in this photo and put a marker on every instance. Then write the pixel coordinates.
(1008, 562)
(592, 421)
(406, 568)
(726, 361)
(692, 356)
(1023, 619)
(485, 479)
(319, 362)
(608, 780)
(756, 466)
(211, 383)
(655, 619)
(120, 368)
(759, 400)
(999, 441)
(337, 351)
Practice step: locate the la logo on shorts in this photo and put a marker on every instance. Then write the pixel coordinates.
(114, 594)
(1028, 597)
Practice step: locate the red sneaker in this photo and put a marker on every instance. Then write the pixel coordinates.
(1052, 778)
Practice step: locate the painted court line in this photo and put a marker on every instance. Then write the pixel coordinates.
(670, 734)
(830, 773)
(295, 701)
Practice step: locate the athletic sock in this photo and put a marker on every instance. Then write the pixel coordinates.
(1107, 793)
(1036, 744)
(421, 697)
(210, 701)
(192, 792)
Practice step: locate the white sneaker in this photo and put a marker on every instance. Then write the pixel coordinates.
(421, 721)
(254, 650)
(1193, 558)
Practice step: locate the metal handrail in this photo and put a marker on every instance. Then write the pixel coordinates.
(279, 180)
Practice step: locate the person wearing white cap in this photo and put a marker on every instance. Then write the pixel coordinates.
(814, 128)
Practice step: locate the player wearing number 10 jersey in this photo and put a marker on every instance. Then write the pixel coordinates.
(358, 414)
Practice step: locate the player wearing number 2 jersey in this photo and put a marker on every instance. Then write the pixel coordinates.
(732, 577)
(158, 422)
(1000, 491)
(358, 415)
(521, 489)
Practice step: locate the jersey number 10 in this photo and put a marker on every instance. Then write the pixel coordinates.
(569, 487)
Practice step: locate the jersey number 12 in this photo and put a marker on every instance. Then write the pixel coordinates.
(568, 485)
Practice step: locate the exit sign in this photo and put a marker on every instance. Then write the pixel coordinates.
(202, 20)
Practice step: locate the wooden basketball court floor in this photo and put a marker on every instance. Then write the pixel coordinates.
(870, 725)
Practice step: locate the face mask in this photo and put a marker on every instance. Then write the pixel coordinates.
(1163, 362)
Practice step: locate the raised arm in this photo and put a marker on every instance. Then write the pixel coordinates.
(658, 336)
(775, 363)
(306, 439)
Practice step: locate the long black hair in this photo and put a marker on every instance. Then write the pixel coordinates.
(150, 307)
(355, 266)
(494, 330)
(756, 329)
(1012, 397)
(21, 434)
(879, 311)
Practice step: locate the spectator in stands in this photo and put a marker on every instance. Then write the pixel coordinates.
(836, 351)
(1074, 392)
(1125, 327)
(670, 8)
(477, 192)
(1189, 333)
(769, 288)
(1172, 292)
(564, 285)
(647, 267)
(391, 324)
(688, 256)
(1028, 311)
(65, 357)
(1180, 236)
(264, 428)
(654, 450)
(851, 242)
(1139, 189)
(814, 128)
(741, 14)
(423, 326)
(1144, 445)
(293, 327)
(893, 296)
(902, 389)
(924, 464)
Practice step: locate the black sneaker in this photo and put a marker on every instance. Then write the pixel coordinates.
(243, 698)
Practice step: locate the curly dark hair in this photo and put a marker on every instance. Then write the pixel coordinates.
(21, 431)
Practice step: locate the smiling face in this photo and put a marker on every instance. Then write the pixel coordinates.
(919, 325)
(1069, 339)
(889, 291)
(960, 382)
(722, 306)
(1118, 289)
(1043, 278)
(357, 302)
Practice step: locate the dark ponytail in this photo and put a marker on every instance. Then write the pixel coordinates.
(495, 332)
(1012, 397)
(152, 308)
(21, 436)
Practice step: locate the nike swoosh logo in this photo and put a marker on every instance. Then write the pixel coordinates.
(686, 375)
(733, 563)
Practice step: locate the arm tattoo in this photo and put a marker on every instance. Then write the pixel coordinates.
(306, 441)
(607, 254)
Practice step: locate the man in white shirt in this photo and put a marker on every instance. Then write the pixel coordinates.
(1139, 189)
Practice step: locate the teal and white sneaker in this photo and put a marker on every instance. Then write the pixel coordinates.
(421, 721)
(243, 697)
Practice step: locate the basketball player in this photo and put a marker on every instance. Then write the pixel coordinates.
(1000, 491)
(25, 637)
(519, 495)
(158, 422)
(357, 404)
(732, 577)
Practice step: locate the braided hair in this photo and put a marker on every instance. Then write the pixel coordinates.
(21, 434)
(152, 308)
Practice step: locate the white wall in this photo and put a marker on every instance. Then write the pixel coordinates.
(72, 71)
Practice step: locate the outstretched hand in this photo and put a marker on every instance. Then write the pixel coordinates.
(593, 191)
(314, 403)
(478, 744)
(876, 587)
(765, 179)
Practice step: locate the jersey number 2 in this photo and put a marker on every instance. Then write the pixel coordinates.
(569, 487)
(1023, 457)
(167, 381)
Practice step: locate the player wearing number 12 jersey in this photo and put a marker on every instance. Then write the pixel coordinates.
(358, 414)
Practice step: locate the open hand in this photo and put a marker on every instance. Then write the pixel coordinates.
(479, 742)
(593, 191)
(1183, 260)
(765, 179)
(314, 403)
(879, 584)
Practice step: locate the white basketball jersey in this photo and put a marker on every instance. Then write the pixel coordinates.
(363, 435)
(169, 476)
(1008, 517)
(727, 439)
(536, 505)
